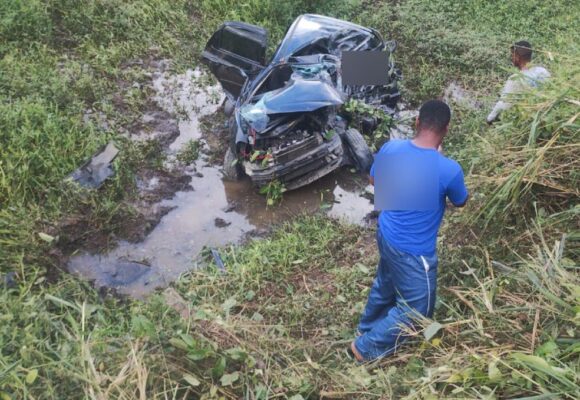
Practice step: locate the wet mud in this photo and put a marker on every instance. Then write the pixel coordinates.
(202, 210)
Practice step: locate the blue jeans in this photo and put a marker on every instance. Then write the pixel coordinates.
(404, 287)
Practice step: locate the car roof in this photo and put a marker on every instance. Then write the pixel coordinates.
(309, 28)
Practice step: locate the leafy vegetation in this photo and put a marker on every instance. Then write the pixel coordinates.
(277, 324)
(190, 152)
(358, 110)
(273, 192)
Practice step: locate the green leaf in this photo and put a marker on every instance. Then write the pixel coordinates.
(237, 354)
(178, 343)
(255, 155)
(432, 330)
(229, 304)
(188, 340)
(493, 372)
(539, 365)
(362, 268)
(325, 206)
(228, 379)
(192, 380)
(257, 317)
(261, 392)
(61, 302)
(46, 237)
(547, 349)
(534, 362)
(142, 326)
(360, 377)
(31, 376)
(220, 366)
(198, 354)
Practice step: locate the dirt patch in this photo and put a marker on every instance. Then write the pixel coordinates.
(216, 133)
(156, 125)
(142, 211)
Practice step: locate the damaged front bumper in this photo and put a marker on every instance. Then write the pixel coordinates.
(299, 163)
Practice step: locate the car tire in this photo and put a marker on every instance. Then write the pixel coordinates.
(359, 150)
(228, 107)
(231, 170)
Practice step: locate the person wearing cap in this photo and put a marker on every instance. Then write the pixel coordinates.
(529, 76)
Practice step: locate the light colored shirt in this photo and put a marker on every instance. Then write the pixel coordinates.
(517, 83)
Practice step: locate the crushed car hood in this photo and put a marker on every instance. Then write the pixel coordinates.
(302, 95)
(311, 86)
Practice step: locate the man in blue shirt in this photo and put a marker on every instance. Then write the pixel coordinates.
(412, 182)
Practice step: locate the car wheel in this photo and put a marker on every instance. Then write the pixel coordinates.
(231, 166)
(228, 107)
(359, 150)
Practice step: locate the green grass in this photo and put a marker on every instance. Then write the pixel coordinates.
(279, 321)
(277, 324)
(58, 60)
(190, 152)
(468, 41)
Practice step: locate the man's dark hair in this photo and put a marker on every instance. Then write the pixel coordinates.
(523, 49)
(434, 115)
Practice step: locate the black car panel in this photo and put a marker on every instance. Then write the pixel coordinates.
(235, 52)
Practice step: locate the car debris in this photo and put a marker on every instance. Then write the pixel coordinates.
(95, 171)
(285, 115)
(218, 260)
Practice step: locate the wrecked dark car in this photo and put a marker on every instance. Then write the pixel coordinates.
(285, 114)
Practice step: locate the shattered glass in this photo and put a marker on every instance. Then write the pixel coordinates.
(255, 115)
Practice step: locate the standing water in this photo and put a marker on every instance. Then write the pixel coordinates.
(216, 212)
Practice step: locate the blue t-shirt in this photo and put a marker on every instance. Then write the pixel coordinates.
(415, 231)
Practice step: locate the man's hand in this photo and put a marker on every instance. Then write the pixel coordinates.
(462, 204)
(371, 180)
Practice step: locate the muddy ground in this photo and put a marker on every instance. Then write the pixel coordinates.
(181, 208)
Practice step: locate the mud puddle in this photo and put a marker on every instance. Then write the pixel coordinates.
(214, 212)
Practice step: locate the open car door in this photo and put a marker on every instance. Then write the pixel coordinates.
(236, 52)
